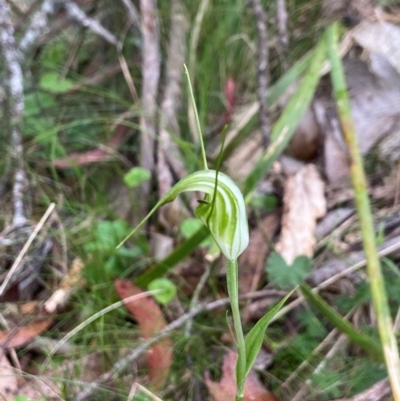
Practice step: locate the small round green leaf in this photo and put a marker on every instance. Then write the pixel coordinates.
(167, 287)
(51, 82)
(135, 176)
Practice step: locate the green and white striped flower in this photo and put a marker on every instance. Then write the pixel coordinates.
(222, 211)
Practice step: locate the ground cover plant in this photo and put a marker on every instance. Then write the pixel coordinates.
(296, 100)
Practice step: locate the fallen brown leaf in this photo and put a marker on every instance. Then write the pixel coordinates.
(8, 382)
(151, 321)
(304, 203)
(22, 335)
(225, 389)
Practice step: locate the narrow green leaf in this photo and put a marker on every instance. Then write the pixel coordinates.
(255, 337)
(289, 120)
(180, 253)
(274, 93)
(361, 197)
(356, 336)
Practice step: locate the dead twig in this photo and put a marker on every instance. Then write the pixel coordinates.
(14, 104)
(151, 60)
(133, 14)
(168, 152)
(262, 69)
(194, 39)
(76, 14)
(282, 17)
(39, 25)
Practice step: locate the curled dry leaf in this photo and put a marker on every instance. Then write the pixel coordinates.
(151, 321)
(304, 203)
(225, 389)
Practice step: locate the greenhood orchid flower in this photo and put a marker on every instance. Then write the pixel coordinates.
(222, 211)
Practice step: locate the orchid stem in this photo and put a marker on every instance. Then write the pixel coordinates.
(203, 150)
(233, 291)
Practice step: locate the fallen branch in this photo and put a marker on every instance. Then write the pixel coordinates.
(14, 104)
(151, 60)
(168, 151)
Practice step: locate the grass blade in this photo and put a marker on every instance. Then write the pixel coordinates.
(379, 296)
(289, 120)
(357, 337)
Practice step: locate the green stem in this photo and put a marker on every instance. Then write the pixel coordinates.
(203, 150)
(379, 296)
(233, 292)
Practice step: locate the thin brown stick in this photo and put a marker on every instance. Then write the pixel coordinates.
(262, 70)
